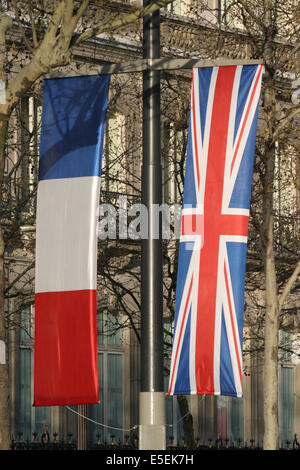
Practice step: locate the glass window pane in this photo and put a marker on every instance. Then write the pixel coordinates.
(115, 394)
(114, 169)
(96, 411)
(221, 402)
(42, 419)
(109, 329)
(114, 330)
(100, 328)
(287, 405)
(179, 421)
(237, 419)
(26, 323)
(169, 412)
(25, 403)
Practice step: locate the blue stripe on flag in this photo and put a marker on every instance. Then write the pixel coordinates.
(73, 119)
(237, 253)
(247, 75)
(183, 376)
(204, 85)
(237, 264)
(184, 258)
(227, 384)
(189, 192)
(241, 194)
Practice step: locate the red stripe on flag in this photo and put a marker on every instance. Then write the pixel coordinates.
(66, 361)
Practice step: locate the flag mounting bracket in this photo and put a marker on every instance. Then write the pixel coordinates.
(163, 63)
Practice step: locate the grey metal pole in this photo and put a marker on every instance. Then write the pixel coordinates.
(152, 400)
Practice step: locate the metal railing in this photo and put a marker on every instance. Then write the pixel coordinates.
(43, 442)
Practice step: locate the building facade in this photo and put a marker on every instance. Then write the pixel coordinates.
(186, 29)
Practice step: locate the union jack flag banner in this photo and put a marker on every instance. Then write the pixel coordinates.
(208, 329)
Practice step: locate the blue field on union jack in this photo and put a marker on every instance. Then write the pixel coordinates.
(208, 325)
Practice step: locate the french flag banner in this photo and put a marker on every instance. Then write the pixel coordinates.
(65, 355)
(208, 325)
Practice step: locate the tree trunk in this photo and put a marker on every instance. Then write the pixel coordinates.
(271, 434)
(4, 380)
(271, 332)
(4, 383)
(271, 438)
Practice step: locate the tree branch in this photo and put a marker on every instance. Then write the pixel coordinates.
(285, 121)
(27, 43)
(80, 12)
(30, 266)
(250, 12)
(5, 23)
(289, 285)
(131, 18)
(34, 31)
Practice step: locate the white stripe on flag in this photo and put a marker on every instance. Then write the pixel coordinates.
(66, 238)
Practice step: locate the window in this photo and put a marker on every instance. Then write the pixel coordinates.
(286, 346)
(174, 428)
(236, 431)
(30, 119)
(222, 407)
(175, 7)
(229, 14)
(21, 160)
(174, 156)
(287, 405)
(222, 11)
(114, 165)
(110, 411)
(286, 388)
(29, 419)
(286, 198)
(110, 332)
